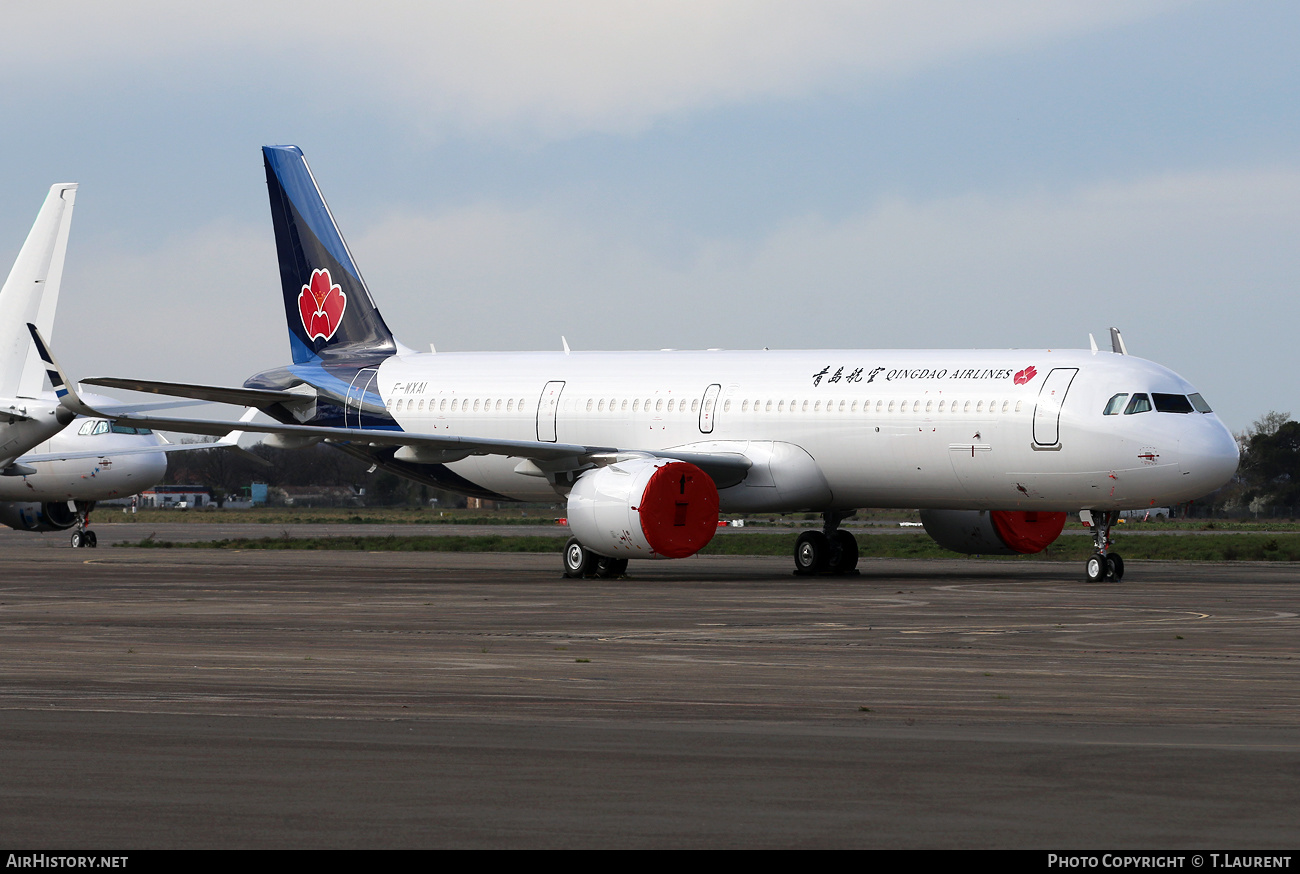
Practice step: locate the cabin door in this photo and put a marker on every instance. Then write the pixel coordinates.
(361, 383)
(547, 410)
(1047, 413)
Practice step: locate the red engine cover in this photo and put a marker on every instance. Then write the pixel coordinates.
(1027, 531)
(679, 510)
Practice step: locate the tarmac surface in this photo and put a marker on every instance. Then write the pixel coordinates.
(158, 698)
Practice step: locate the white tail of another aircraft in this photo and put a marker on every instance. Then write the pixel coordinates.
(31, 294)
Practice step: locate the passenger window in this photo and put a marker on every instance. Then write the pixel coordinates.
(1115, 404)
(1139, 404)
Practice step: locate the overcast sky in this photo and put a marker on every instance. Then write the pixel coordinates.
(677, 174)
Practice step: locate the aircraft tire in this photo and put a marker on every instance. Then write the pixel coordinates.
(579, 561)
(610, 568)
(843, 558)
(811, 553)
(1114, 567)
(91, 540)
(1096, 568)
(78, 540)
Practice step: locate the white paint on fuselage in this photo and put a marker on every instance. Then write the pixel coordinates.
(910, 428)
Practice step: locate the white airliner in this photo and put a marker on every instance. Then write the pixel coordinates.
(51, 475)
(995, 447)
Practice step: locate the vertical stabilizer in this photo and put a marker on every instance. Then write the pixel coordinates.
(326, 303)
(31, 294)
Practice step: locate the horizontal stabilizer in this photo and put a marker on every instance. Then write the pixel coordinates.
(240, 397)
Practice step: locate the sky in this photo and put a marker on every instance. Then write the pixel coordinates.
(631, 175)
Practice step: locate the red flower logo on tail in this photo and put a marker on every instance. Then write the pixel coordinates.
(1025, 375)
(321, 306)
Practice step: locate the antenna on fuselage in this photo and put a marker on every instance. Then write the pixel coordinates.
(566, 344)
(1092, 341)
(1117, 342)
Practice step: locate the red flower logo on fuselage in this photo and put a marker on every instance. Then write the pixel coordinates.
(1025, 375)
(321, 306)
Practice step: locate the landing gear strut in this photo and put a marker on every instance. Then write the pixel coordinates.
(829, 551)
(1104, 564)
(83, 536)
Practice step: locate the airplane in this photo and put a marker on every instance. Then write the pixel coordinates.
(51, 475)
(995, 447)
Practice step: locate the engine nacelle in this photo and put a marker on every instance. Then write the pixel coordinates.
(993, 532)
(644, 508)
(50, 516)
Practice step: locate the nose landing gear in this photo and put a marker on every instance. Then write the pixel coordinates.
(1103, 564)
(83, 536)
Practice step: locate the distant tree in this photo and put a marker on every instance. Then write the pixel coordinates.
(1270, 464)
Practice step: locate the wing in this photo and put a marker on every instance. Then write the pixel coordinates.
(538, 458)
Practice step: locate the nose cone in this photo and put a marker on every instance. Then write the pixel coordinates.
(154, 469)
(1208, 456)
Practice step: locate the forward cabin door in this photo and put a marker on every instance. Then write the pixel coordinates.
(547, 409)
(1047, 413)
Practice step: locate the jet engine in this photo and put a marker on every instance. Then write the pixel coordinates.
(993, 532)
(50, 516)
(644, 508)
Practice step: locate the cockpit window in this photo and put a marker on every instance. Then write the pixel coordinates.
(1199, 404)
(1139, 404)
(1171, 403)
(1115, 405)
(123, 429)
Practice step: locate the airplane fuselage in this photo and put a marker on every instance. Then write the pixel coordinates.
(976, 429)
(108, 474)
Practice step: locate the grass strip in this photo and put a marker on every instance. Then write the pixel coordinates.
(1164, 547)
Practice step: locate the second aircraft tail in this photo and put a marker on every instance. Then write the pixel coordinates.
(31, 294)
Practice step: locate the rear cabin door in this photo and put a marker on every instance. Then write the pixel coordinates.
(361, 383)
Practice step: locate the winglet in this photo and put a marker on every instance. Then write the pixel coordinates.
(63, 387)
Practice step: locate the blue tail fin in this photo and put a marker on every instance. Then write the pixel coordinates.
(326, 302)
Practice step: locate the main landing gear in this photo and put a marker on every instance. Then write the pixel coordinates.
(580, 562)
(829, 551)
(83, 536)
(1104, 564)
